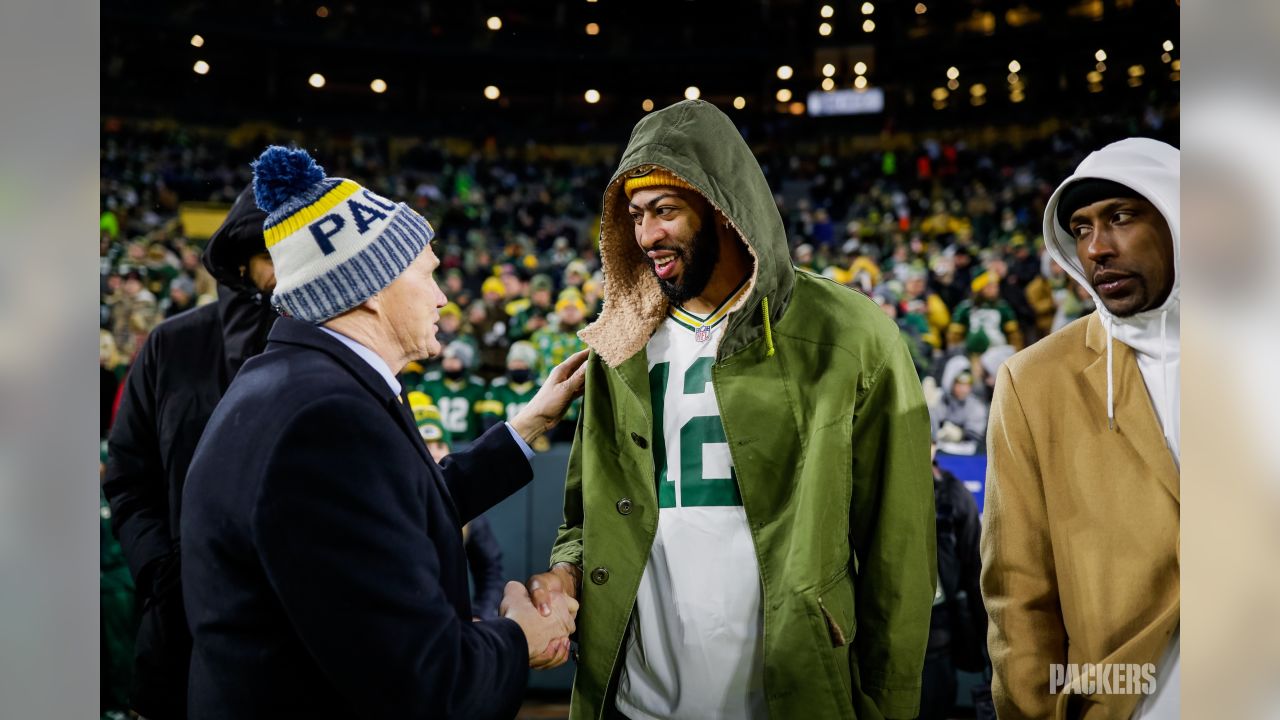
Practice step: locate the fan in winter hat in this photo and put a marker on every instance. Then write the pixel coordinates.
(334, 243)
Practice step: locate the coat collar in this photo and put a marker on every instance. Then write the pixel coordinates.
(290, 331)
(1135, 416)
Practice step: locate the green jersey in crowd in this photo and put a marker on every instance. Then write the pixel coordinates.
(505, 399)
(554, 346)
(459, 402)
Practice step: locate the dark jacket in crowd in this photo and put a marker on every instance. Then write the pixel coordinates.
(322, 551)
(176, 381)
(484, 557)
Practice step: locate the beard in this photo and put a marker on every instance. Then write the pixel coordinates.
(699, 260)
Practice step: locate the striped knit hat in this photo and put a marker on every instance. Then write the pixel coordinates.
(334, 243)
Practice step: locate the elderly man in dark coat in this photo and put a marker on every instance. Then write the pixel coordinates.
(322, 553)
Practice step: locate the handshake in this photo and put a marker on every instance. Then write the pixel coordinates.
(545, 610)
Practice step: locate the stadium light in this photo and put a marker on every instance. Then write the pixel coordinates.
(593, 29)
(868, 8)
(785, 72)
(796, 108)
(1014, 66)
(953, 73)
(197, 41)
(868, 25)
(1137, 71)
(1168, 46)
(322, 12)
(592, 96)
(647, 105)
(828, 70)
(739, 102)
(1100, 56)
(784, 95)
(827, 11)
(824, 29)
(953, 84)
(978, 90)
(1094, 77)
(860, 68)
(1013, 78)
(828, 84)
(860, 82)
(201, 67)
(492, 92)
(1176, 66)
(378, 85)
(921, 9)
(1166, 58)
(940, 94)
(1101, 67)
(316, 80)
(692, 93)
(494, 23)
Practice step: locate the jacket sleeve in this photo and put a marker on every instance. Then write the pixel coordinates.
(1026, 632)
(135, 483)
(568, 544)
(892, 534)
(484, 557)
(342, 538)
(486, 473)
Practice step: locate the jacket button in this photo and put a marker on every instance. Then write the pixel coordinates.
(624, 506)
(600, 575)
(639, 441)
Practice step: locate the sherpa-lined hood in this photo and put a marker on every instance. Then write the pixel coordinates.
(1151, 168)
(699, 144)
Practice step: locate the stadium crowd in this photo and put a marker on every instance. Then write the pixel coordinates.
(943, 235)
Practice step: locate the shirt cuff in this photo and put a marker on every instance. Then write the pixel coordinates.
(524, 446)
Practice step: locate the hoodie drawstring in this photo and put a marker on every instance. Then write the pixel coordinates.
(768, 331)
(1111, 401)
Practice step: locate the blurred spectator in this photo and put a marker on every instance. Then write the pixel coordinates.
(984, 320)
(918, 301)
(961, 416)
(456, 391)
(182, 297)
(531, 315)
(507, 395)
(958, 624)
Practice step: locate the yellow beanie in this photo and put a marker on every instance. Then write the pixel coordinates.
(493, 284)
(656, 177)
(982, 281)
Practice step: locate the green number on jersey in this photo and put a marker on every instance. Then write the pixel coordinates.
(697, 490)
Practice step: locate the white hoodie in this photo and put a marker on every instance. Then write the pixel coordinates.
(1150, 168)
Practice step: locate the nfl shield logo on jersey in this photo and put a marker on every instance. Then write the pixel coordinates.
(702, 334)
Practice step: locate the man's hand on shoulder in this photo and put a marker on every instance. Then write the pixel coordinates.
(563, 386)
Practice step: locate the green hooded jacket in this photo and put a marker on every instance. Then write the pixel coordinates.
(829, 436)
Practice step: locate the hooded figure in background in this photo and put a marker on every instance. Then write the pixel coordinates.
(178, 378)
(1080, 554)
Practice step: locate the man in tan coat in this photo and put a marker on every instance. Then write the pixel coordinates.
(1080, 565)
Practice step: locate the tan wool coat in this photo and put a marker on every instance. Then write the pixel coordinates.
(1080, 552)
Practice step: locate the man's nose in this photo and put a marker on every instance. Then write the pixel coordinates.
(650, 233)
(1101, 246)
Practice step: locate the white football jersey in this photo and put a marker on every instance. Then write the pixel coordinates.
(694, 648)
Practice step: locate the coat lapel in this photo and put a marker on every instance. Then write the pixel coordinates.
(1135, 418)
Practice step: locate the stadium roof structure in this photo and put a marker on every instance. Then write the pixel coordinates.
(577, 67)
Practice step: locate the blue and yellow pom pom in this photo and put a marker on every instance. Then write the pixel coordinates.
(280, 173)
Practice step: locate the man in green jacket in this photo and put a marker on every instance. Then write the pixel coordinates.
(749, 502)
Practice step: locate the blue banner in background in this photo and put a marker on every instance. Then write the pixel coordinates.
(968, 469)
